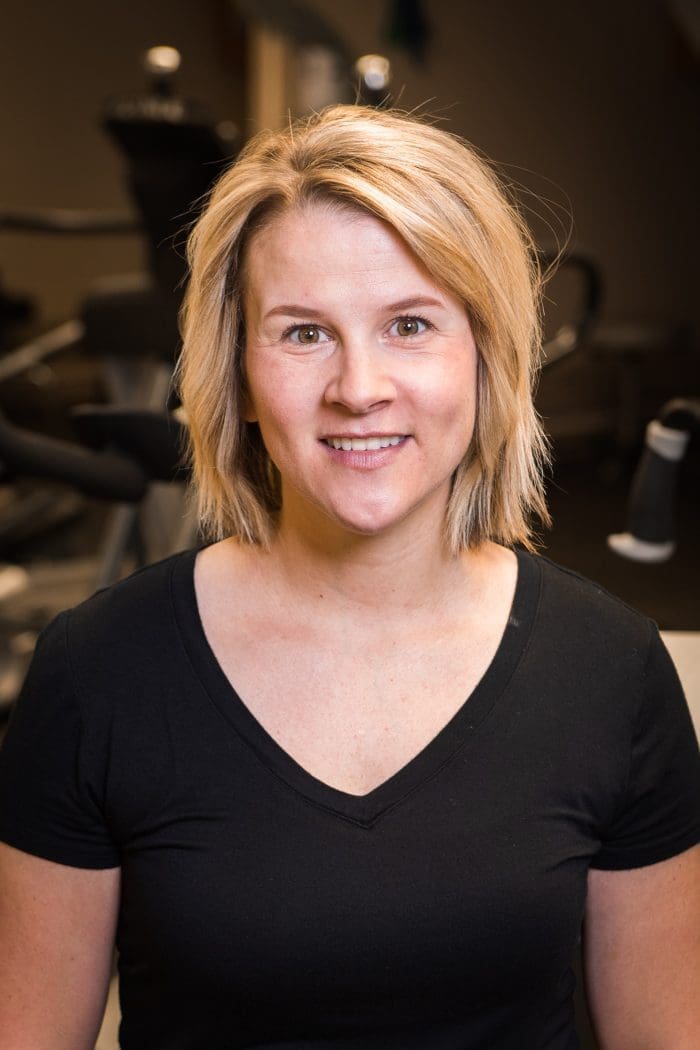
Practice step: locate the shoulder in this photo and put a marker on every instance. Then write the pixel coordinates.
(572, 605)
(135, 606)
(599, 668)
(116, 655)
(589, 643)
(123, 630)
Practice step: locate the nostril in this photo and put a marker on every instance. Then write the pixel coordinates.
(360, 385)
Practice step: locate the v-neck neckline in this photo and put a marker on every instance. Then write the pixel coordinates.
(459, 730)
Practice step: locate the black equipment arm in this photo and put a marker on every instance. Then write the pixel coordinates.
(154, 440)
(570, 336)
(105, 475)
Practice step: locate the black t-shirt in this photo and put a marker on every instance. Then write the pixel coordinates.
(263, 908)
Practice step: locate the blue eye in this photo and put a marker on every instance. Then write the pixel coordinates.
(408, 326)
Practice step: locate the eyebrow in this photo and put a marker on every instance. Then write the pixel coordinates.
(413, 303)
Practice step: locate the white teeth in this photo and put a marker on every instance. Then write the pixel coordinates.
(363, 444)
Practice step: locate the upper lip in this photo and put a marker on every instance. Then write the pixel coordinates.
(365, 437)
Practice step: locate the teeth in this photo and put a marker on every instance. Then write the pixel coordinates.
(363, 444)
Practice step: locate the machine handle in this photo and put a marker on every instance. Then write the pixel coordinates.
(101, 474)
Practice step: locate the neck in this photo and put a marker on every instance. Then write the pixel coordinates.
(387, 573)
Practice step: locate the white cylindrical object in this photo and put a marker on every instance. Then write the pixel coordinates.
(666, 441)
(629, 546)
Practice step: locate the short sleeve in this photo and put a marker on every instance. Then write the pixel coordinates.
(660, 814)
(50, 780)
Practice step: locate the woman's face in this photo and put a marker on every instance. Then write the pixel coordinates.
(361, 372)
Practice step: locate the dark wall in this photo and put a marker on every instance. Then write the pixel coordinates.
(593, 101)
(58, 64)
(590, 108)
(588, 104)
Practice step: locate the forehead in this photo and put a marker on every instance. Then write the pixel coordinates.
(316, 225)
(323, 242)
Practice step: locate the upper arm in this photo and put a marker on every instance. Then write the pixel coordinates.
(57, 926)
(642, 954)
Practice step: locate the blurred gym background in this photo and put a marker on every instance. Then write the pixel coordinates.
(589, 111)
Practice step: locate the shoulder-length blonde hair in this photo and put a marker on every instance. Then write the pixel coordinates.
(453, 213)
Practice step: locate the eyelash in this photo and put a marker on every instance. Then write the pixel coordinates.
(295, 329)
(413, 317)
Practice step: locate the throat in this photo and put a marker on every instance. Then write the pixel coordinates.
(405, 565)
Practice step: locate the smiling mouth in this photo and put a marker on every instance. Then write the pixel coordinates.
(368, 444)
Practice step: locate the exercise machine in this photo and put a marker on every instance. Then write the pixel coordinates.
(127, 456)
(650, 527)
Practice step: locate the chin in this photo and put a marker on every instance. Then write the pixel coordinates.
(371, 522)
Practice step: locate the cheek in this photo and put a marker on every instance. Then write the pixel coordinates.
(452, 396)
(264, 390)
(276, 405)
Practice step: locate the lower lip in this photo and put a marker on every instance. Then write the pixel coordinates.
(367, 460)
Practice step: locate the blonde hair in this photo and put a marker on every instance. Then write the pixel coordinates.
(455, 216)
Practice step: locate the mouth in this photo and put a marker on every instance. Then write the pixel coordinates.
(365, 444)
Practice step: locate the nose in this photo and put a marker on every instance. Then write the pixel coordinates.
(360, 380)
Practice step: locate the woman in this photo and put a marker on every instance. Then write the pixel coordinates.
(354, 774)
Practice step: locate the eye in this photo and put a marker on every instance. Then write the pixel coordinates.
(408, 326)
(306, 334)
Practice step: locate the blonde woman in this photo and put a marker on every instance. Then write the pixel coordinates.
(359, 772)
